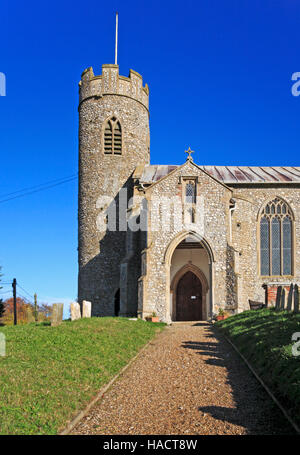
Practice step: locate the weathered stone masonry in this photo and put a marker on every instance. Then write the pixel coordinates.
(138, 267)
(100, 254)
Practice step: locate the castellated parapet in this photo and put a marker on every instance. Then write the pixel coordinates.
(111, 83)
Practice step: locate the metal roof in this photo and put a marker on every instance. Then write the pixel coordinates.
(230, 174)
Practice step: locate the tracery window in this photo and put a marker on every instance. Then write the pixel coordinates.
(276, 229)
(113, 137)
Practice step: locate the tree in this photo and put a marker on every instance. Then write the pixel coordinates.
(25, 311)
(2, 306)
(23, 306)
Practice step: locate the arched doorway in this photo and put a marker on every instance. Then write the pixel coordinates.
(189, 298)
(189, 289)
(189, 251)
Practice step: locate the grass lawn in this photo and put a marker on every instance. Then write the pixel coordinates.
(264, 337)
(50, 373)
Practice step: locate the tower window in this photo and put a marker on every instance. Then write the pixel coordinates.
(112, 137)
(276, 227)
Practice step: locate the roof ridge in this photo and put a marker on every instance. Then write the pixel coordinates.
(229, 174)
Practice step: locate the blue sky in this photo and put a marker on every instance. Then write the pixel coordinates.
(219, 74)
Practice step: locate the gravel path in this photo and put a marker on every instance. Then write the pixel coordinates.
(188, 381)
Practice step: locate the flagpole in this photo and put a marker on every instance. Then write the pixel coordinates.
(116, 46)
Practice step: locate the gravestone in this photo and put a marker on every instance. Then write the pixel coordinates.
(57, 314)
(75, 311)
(282, 302)
(86, 309)
(278, 298)
(2, 345)
(290, 298)
(296, 299)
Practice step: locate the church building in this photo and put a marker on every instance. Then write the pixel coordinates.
(177, 241)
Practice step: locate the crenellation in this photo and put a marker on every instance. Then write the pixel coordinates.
(110, 82)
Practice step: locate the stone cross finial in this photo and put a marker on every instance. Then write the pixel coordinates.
(189, 151)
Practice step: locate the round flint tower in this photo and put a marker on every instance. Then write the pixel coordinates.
(113, 141)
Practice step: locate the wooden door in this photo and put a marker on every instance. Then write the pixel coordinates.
(189, 298)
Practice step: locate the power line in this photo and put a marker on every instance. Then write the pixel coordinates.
(5, 291)
(18, 284)
(41, 189)
(39, 185)
(19, 295)
(24, 298)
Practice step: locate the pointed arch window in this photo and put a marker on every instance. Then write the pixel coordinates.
(113, 137)
(276, 230)
(189, 197)
(190, 192)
